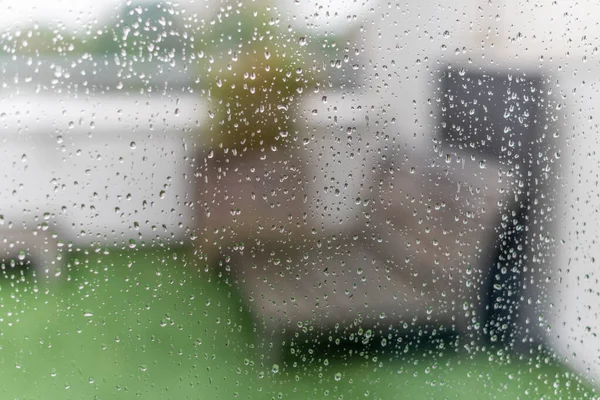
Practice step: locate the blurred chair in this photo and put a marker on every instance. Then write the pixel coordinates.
(416, 264)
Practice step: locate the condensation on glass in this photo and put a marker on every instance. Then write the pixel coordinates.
(267, 199)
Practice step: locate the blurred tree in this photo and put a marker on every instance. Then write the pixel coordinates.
(142, 31)
(253, 73)
(145, 31)
(41, 41)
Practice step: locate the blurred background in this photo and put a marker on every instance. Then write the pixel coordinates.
(263, 199)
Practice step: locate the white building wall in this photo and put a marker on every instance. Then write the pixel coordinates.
(107, 169)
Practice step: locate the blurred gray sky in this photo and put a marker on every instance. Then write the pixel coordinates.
(325, 15)
(71, 13)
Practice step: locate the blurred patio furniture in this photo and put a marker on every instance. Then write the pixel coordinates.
(430, 247)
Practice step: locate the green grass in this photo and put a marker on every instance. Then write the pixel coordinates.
(152, 324)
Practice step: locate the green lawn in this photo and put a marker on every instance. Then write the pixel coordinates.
(151, 324)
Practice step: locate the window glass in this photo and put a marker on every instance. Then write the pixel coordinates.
(269, 199)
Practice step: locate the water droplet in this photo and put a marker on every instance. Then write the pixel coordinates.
(132, 145)
(88, 313)
(302, 41)
(337, 376)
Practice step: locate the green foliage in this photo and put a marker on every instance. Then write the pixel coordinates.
(143, 30)
(256, 72)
